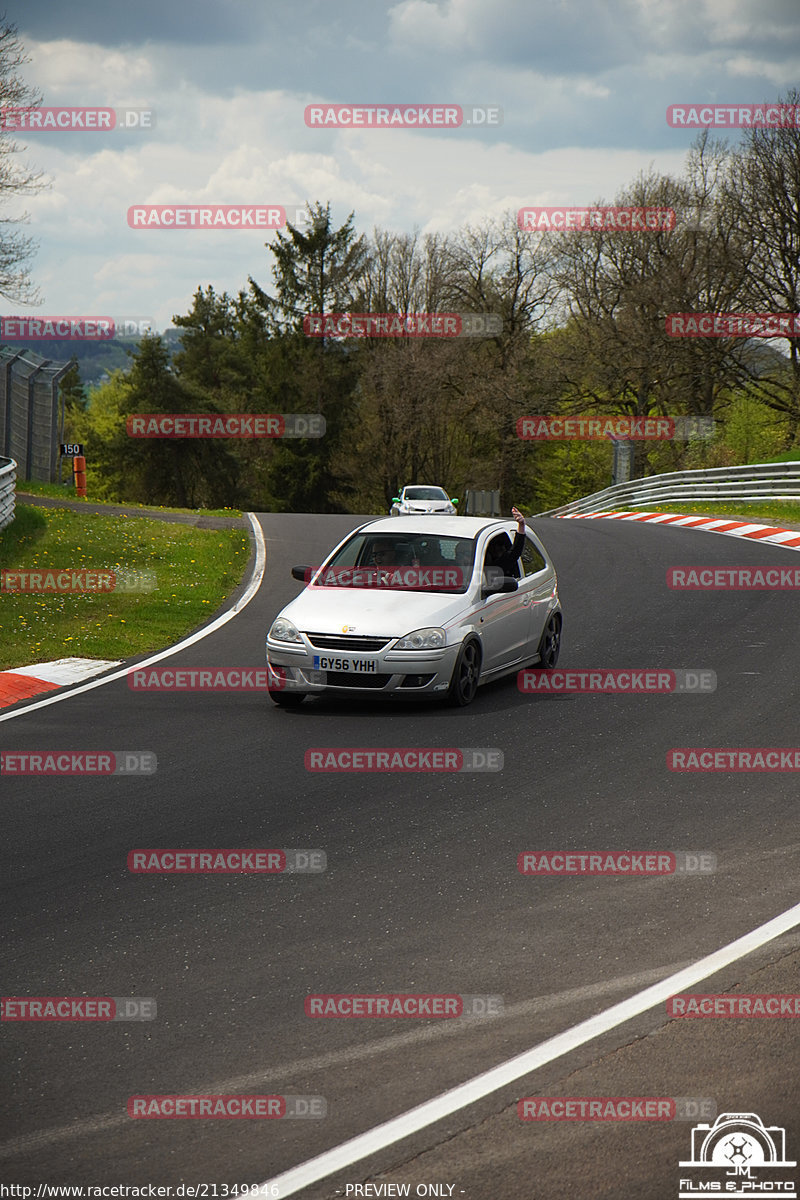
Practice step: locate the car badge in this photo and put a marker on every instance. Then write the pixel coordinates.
(348, 629)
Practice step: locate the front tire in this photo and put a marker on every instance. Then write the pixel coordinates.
(466, 673)
(550, 642)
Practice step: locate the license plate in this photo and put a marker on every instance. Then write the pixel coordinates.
(324, 663)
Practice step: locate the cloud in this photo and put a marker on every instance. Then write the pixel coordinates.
(584, 89)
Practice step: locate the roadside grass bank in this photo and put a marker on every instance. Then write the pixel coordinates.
(189, 571)
(66, 491)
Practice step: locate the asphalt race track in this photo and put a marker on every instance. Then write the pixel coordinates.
(421, 894)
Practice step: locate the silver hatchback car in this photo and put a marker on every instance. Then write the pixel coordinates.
(409, 606)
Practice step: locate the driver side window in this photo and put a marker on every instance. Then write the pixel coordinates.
(499, 557)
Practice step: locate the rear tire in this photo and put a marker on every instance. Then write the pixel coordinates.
(550, 642)
(466, 673)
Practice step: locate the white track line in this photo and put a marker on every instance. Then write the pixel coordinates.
(426, 1114)
(244, 599)
(265, 1080)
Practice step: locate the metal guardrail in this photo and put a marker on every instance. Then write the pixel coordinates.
(8, 490)
(759, 481)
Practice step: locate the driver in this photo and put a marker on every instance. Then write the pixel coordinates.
(384, 554)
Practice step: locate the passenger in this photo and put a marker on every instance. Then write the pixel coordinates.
(502, 553)
(463, 561)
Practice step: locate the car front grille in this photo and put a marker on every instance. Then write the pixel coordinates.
(331, 641)
(358, 679)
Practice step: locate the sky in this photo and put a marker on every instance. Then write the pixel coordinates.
(583, 86)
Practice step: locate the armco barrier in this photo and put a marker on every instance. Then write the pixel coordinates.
(8, 490)
(759, 481)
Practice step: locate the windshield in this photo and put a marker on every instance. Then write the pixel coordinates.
(411, 562)
(425, 493)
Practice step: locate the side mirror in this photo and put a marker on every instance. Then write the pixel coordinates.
(454, 499)
(302, 573)
(495, 582)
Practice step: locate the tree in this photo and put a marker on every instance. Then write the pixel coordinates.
(16, 178)
(621, 286)
(314, 272)
(210, 357)
(413, 422)
(318, 271)
(189, 473)
(762, 189)
(498, 268)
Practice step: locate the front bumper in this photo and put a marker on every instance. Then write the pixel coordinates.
(395, 672)
(426, 512)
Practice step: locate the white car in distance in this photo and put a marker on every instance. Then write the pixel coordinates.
(422, 498)
(417, 607)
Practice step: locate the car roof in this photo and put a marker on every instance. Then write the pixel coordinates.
(430, 485)
(465, 527)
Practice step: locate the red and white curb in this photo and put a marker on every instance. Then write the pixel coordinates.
(773, 534)
(24, 682)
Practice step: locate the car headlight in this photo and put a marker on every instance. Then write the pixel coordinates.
(284, 631)
(422, 639)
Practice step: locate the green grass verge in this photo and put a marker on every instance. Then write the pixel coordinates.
(66, 491)
(194, 569)
(761, 510)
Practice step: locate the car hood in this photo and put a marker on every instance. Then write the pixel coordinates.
(369, 612)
